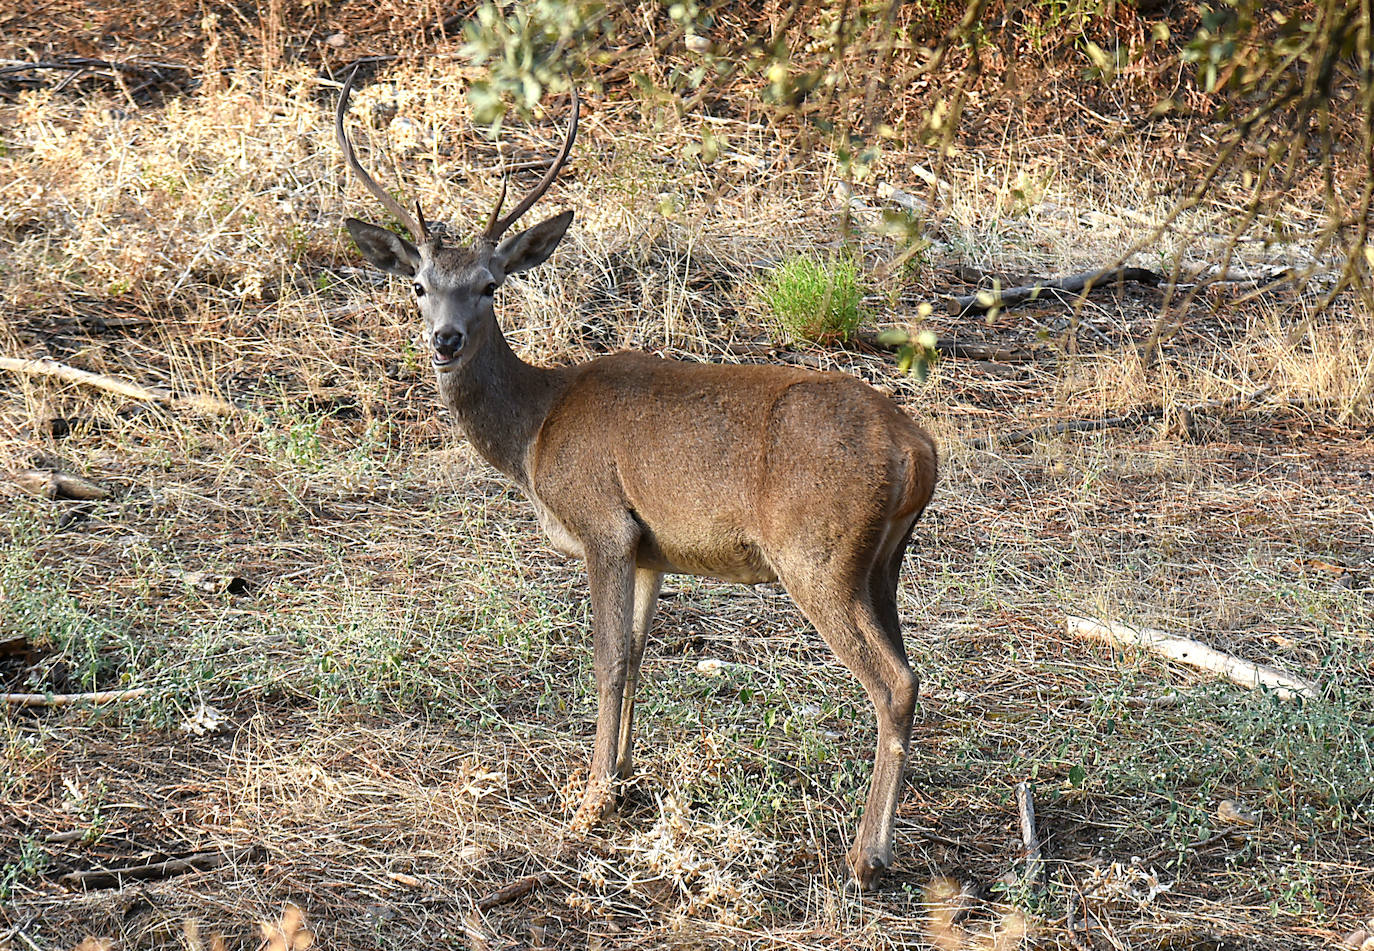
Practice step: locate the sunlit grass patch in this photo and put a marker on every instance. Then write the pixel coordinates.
(816, 300)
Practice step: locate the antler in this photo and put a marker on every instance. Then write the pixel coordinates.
(497, 226)
(416, 226)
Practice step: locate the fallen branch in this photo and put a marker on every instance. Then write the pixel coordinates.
(1196, 654)
(67, 699)
(116, 877)
(1035, 862)
(112, 384)
(1134, 418)
(986, 300)
(889, 192)
(93, 323)
(953, 347)
(514, 890)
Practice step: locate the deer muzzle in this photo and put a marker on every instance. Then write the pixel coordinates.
(448, 345)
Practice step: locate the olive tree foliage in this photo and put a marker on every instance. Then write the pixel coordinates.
(1287, 93)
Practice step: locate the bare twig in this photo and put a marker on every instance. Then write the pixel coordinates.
(112, 384)
(1197, 654)
(86, 63)
(954, 347)
(116, 877)
(1158, 854)
(1133, 418)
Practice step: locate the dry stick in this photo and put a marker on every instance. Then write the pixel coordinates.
(1073, 928)
(1196, 654)
(1035, 863)
(1135, 417)
(953, 347)
(115, 385)
(67, 699)
(1068, 426)
(116, 877)
(514, 890)
(984, 301)
(1158, 854)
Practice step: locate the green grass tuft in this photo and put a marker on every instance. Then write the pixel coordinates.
(815, 300)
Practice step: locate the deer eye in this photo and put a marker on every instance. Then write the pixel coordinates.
(419, 289)
(489, 290)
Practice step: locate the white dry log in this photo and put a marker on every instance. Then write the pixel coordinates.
(1185, 650)
(67, 699)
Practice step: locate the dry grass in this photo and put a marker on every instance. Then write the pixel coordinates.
(406, 686)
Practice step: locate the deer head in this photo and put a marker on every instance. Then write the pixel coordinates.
(454, 285)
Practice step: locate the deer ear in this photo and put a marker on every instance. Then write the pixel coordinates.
(385, 249)
(533, 247)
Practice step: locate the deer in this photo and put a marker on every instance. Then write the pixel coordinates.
(641, 466)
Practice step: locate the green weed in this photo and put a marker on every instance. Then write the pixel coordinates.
(26, 866)
(815, 300)
(37, 606)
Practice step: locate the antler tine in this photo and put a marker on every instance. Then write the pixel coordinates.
(416, 228)
(497, 226)
(420, 220)
(490, 230)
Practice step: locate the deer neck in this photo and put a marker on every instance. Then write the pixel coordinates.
(500, 401)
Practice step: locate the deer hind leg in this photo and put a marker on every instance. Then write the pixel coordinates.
(871, 853)
(859, 622)
(611, 573)
(647, 585)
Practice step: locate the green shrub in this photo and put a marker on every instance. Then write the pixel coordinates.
(814, 300)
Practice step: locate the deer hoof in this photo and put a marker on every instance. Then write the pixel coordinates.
(869, 866)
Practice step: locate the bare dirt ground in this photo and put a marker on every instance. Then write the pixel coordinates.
(369, 678)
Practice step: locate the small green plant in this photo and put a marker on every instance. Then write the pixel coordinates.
(296, 440)
(815, 300)
(36, 605)
(28, 865)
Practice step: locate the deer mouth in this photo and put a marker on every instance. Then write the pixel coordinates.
(444, 364)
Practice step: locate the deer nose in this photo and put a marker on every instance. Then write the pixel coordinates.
(446, 344)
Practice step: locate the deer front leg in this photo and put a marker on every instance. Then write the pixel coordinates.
(611, 575)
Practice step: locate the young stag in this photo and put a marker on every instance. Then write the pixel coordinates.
(642, 466)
